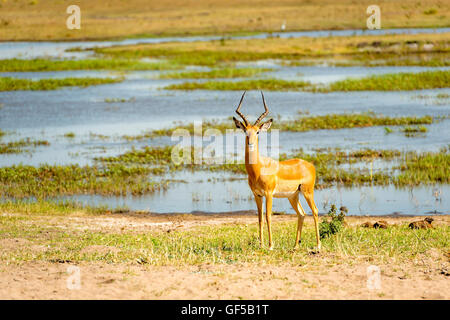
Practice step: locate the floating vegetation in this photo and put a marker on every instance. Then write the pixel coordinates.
(69, 135)
(257, 84)
(385, 82)
(438, 99)
(216, 73)
(119, 100)
(341, 121)
(21, 145)
(11, 84)
(130, 172)
(147, 155)
(419, 49)
(301, 124)
(328, 163)
(392, 82)
(424, 168)
(414, 131)
(19, 65)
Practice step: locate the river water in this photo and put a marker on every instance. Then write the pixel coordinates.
(51, 114)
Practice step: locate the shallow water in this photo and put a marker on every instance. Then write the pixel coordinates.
(54, 49)
(204, 194)
(51, 114)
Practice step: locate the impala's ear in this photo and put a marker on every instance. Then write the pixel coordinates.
(238, 124)
(266, 125)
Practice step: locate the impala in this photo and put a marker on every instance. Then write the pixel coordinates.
(280, 179)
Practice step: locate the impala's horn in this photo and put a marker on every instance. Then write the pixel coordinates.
(239, 107)
(265, 113)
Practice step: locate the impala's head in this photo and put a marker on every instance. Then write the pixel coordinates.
(252, 130)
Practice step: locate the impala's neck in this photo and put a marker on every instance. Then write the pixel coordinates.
(252, 161)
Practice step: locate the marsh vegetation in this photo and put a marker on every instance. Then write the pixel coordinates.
(12, 84)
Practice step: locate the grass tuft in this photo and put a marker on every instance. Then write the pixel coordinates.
(11, 84)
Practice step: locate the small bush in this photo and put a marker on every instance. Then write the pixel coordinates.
(334, 225)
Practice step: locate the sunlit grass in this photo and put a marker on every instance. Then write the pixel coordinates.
(258, 84)
(342, 51)
(38, 20)
(19, 65)
(21, 181)
(300, 124)
(21, 146)
(393, 82)
(385, 82)
(11, 84)
(223, 244)
(328, 165)
(216, 73)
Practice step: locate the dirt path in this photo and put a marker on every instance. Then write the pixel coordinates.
(42, 280)
(423, 278)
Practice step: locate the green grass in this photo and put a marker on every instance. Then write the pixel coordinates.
(425, 168)
(414, 131)
(52, 208)
(21, 146)
(223, 244)
(328, 165)
(216, 73)
(21, 181)
(69, 135)
(376, 59)
(393, 82)
(259, 84)
(11, 84)
(341, 121)
(301, 124)
(198, 57)
(19, 65)
(428, 50)
(119, 100)
(386, 82)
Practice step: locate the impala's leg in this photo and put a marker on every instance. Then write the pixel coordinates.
(301, 216)
(259, 204)
(269, 218)
(308, 192)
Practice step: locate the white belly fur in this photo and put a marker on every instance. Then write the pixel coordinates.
(286, 188)
(284, 194)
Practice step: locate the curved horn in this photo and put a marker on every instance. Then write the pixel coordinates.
(265, 113)
(239, 107)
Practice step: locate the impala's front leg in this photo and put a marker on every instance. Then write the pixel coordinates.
(259, 204)
(269, 218)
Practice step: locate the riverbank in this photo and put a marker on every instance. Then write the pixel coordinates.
(133, 256)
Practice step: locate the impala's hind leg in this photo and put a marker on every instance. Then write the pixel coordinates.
(301, 216)
(308, 193)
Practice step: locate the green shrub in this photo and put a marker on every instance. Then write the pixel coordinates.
(333, 222)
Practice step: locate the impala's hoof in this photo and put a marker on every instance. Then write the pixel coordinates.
(271, 247)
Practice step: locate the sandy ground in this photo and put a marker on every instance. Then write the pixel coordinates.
(423, 278)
